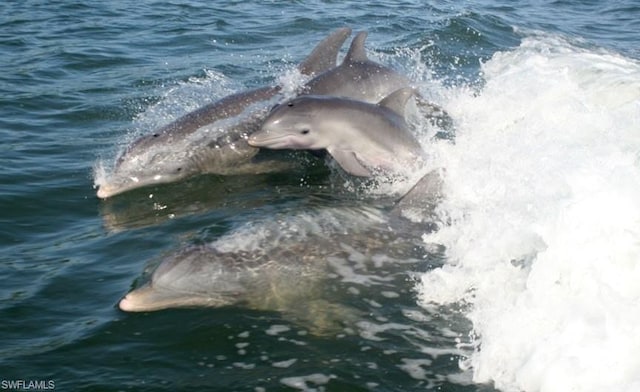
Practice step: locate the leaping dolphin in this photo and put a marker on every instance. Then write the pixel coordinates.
(211, 139)
(365, 139)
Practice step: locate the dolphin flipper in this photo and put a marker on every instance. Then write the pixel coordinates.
(324, 55)
(349, 162)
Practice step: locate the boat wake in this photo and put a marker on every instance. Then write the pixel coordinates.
(542, 194)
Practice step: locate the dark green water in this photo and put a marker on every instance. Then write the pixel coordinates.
(77, 79)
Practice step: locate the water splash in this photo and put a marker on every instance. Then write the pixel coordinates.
(543, 198)
(172, 102)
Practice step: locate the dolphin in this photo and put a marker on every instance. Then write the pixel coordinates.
(364, 139)
(281, 265)
(205, 276)
(211, 139)
(360, 78)
(357, 77)
(286, 282)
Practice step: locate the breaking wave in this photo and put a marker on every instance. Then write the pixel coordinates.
(542, 201)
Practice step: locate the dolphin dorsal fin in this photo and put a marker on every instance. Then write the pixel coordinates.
(356, 51)
(397, 100)
(324, 55)
(423, 197)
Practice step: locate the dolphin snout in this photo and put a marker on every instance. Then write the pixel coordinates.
(127, 305)
(269, 139)
(259, 138)
(105, 191)
(252, 141)
(145, 299)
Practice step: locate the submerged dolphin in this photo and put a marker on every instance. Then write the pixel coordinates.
(206, 276)
(211, 139)
(280, 265)
(363, 138)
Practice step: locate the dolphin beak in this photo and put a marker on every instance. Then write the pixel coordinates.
(259, 139)
(252, 141)
(105, 191)
(266, 134)
(148, 299)
(272, 140)
(135, 301)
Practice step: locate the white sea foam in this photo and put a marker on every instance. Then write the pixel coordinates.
(415, 367)
(309, 383)
(100, 173)
(542, 193)
(277, 329)
(285, 364)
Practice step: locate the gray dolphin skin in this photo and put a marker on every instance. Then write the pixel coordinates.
(211, 139)
(280, 265)
(202, 276)
(420, 202)
(205, 276)
(365, 139)
(357, 77)
(185, 147)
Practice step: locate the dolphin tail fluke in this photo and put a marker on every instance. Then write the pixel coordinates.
(324, 55)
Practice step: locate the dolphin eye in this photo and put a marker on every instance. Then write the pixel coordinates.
(305, 132)
(290, 104)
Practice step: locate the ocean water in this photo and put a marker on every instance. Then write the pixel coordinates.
(528, 284)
